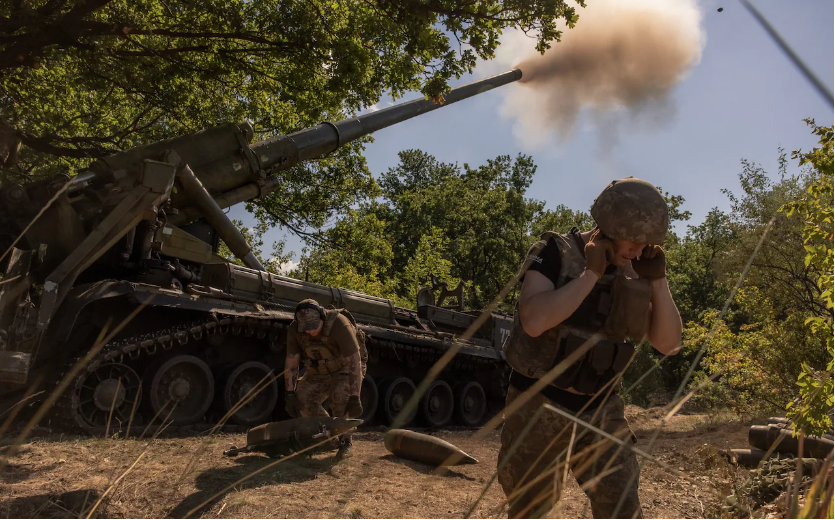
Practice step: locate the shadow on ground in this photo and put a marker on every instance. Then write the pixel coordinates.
(425, 468)
(72, 504)
(213, 481)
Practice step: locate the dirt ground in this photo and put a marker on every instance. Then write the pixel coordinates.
(58, 476)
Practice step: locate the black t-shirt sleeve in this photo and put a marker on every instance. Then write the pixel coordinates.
(547, 261)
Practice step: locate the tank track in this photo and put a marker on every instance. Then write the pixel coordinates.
(67, 413)
(150, 344)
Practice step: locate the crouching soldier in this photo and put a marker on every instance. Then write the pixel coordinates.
(334, 360)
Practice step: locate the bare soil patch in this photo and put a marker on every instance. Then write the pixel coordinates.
(58, 476)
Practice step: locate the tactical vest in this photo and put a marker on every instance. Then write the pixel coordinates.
(324, 359)
(614, 312)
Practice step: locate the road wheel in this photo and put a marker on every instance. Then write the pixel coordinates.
(395, 394)
(107, 395)
(470, 403)
(180, 389)
(369, 396)
(237, 387)
(437, 404)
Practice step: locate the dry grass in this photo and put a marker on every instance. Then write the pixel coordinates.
(60, 476)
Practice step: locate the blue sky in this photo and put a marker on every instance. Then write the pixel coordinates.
(743, 100)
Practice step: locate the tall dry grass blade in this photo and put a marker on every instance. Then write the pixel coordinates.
(558, 490)
(114, 484)
(439, 365)
(13, 278)
(814, 507)
(263, 384)
(553, 468)
(18, 406)
(794, 490)
(133, 409)
(626, 446)
(112, 406)
(156, 416)
(505, 460)
(675, 406)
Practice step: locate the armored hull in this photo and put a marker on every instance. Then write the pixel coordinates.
(213, 356)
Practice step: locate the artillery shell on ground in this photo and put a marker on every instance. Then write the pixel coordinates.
(425, 448)
(763, 437)
(283, 438)
(751, 458)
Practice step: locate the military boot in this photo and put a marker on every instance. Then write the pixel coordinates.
(346, 451)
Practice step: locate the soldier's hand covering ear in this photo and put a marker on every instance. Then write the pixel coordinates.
(354, 407)
(291, 404)
(599, 252)
(652, 264)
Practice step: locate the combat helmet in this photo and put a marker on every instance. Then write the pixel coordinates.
(632, 209)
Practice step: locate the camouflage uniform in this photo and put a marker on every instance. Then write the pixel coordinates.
(312, 391)
(530, 460)
(326, 372)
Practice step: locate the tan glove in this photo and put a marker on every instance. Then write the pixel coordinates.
(652, 264)
(599, 252)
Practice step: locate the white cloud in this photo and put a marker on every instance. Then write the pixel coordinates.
(287, 266)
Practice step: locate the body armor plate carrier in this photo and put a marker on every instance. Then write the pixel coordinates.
(323, 359)
(613, 315)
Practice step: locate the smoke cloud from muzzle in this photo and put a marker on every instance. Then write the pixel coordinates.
(620, 61)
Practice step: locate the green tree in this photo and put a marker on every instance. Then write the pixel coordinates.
(482, 212)
(255, 238)
(81, 79)
(812, 409)
(763, 344)
(84, 78)
(427, 261)
(354, 254)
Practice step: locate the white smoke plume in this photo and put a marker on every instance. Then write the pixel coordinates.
(620, 62)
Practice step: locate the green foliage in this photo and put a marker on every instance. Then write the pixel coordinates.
(812, 409)
(644, 381)
(82, 79)
(481, 211)
(427, 261)
(454, 222)
(354, 254)
(254, 237)
(775, 343)
(758, 361)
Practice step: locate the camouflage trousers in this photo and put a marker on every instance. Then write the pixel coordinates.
(604, 470)
(313, 389)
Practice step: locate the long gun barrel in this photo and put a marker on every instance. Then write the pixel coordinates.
(233, 171)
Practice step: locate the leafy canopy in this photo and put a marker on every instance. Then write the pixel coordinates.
(81, 79)
(85, 78)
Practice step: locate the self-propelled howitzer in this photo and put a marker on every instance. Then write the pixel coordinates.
(127, 251)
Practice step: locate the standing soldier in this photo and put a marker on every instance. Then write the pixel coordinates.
(601, 290)
(334, 366)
